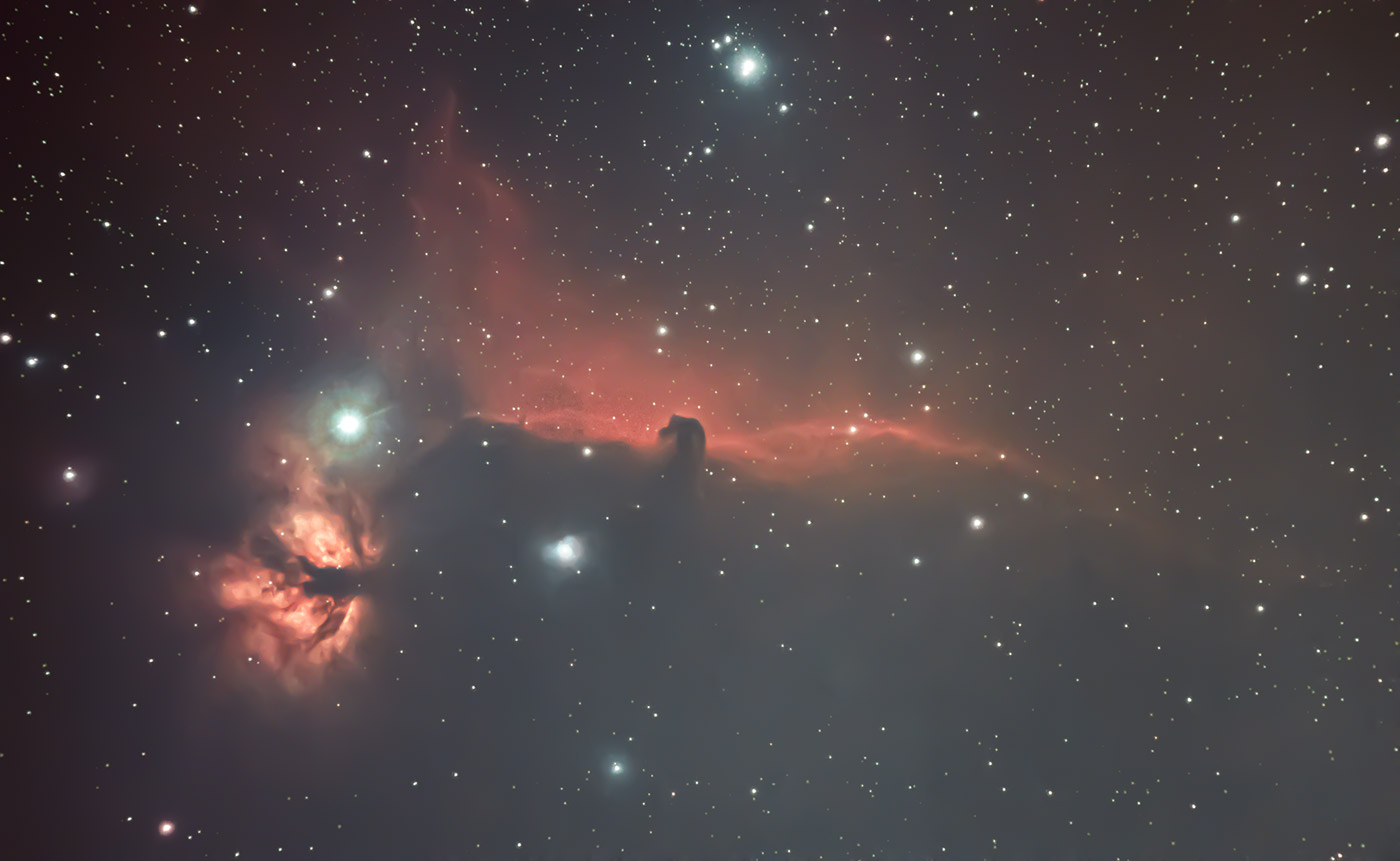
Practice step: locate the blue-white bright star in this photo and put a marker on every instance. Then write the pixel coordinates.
(567, 551)
(349, 425)
(747, 67)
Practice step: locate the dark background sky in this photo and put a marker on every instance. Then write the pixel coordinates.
(1046, 358)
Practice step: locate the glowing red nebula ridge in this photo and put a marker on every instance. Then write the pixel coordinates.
(610, 359)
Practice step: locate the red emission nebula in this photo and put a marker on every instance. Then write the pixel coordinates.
(569, 353)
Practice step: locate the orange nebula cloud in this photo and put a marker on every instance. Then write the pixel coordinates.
(315, 525)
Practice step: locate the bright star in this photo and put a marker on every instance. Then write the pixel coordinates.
(349, 424)
(566, 551)
(1235, 219)
(617, 768)
(70, 475)
(977, 523)
(166, 828)
(1382, 141)
(747, 68)
(917, 357)
(31, 362)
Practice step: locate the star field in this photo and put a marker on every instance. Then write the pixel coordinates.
(538, 430)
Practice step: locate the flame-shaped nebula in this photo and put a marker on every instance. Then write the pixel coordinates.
(283, 623)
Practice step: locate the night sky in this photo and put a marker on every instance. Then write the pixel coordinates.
(700, 430)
